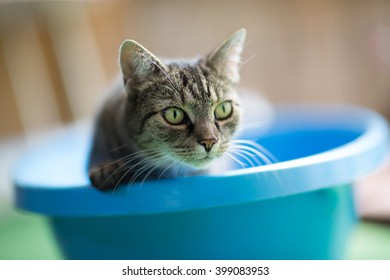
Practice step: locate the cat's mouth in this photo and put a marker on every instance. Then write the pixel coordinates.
(196, 159)
(200, 162)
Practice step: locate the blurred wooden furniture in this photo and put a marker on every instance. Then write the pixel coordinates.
(53, 61)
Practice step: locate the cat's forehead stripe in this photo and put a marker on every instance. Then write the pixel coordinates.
(163, 90)
(202, 79)
(200, 88)
(187, 83)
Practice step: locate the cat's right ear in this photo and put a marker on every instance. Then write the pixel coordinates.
(137, 63)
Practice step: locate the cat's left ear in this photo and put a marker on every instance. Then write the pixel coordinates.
(137, 63)
(226, 58)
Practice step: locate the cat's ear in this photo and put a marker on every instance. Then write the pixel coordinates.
(226, 58)
(137, 63)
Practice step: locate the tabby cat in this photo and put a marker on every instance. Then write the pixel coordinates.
(166, 118)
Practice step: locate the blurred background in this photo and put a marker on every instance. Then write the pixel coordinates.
(58, 57)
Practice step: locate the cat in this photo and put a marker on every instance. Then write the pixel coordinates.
(166, 118)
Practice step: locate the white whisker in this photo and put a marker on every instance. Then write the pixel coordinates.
(246, 156)
(163, 161)
(248, 148)
(257, 147)
(254, 153)
(154, 154)
(143, 161)
(246, 60)
(168, 167)
(243, 165)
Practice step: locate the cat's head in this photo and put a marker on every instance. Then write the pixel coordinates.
(187, 112)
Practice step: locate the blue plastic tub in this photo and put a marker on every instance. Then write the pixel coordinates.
(299, 208)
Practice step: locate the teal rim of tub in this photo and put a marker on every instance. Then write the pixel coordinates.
(52, 179)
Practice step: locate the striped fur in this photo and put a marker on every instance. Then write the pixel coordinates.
(133, 141)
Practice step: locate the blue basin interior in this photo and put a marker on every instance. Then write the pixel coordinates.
(303, 143)
(299, 207)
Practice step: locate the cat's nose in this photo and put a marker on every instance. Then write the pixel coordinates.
(208, 143)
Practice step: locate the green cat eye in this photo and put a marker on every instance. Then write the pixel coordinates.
(223, 110)
(174, 115)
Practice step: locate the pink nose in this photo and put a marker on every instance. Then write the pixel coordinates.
(208, 143)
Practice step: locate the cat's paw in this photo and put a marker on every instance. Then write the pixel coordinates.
(106, 176)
